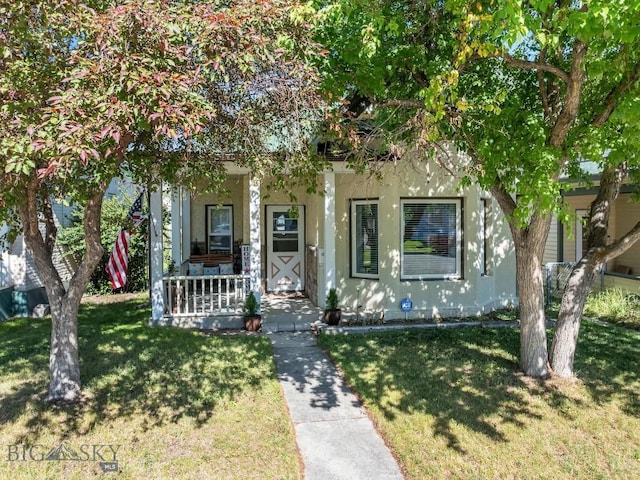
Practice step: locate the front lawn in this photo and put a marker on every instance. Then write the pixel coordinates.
(452, 404)
(172, 403)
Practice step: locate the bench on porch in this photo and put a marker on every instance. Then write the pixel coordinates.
(207, 288)
(212, 260)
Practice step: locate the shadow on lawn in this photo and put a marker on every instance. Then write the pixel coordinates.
(608, 362)
(129, 369)
(471, 378)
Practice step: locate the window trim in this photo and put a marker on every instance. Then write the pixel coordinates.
(209, 233)
(483, 228)
(458, 202)
(353, 237)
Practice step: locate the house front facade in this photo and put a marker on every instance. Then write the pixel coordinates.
(412, 234)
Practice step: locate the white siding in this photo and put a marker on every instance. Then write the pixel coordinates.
(551, 248)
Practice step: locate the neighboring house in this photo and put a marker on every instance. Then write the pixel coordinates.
(21, 287)
(415, 234)
(566, 243)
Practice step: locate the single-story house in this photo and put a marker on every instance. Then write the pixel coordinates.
(415, 234)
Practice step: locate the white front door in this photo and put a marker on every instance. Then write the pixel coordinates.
(285, 248)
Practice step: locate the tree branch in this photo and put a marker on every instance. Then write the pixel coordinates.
(571, 107)
(621, 245)
(539, 66)
(543, 89)
(401, 103)
(505, 200)
(94, 249)
(421, 79)
(612, 98)
(51, 231)
(28, 213)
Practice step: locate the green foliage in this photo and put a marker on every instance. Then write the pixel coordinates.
(615, 305)
(526, 90)
(114, 214)
(151, 91)
(250, 307)
(493, 78)
(332, 300)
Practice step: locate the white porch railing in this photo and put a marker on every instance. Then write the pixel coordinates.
(206, 295)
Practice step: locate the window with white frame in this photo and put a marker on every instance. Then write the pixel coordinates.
(220, 228)
(364, 238)
(431, 246)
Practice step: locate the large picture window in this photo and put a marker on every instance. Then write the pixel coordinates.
(431, 239)
(364, 238)
(220, 228)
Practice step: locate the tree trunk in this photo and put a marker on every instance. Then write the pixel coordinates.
(565, 339)
(533, 333)
(64, 364)
(529, 242)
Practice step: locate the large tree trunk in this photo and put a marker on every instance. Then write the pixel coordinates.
(529, 241)
(565, 338)
(533, 333)
(64, 364)
(64, 361)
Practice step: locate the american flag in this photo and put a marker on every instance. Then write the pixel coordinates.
(135, 212)
(119, 259)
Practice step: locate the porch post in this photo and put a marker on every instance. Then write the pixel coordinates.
(255, 263)
(185, 226)
(176, 226)
(155, 260)
(329, 234)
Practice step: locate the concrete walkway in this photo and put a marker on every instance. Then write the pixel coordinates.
(335, 437)
(288, 313)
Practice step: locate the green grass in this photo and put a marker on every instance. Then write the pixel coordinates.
(416, 246)
(616, 306)
(452, 404)
(179, 404)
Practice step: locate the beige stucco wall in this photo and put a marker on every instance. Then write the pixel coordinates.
(472, 294)
(469, 295)
(236, 197)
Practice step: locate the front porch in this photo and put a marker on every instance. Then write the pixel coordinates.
(207, 309)
(224, 247)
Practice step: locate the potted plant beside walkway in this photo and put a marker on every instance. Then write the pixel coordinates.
(252, 319)
(332, 313)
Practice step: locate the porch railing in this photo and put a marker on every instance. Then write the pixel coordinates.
(205, 295)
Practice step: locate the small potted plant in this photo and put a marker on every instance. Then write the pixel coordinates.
(252, 319)
(332, 313)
